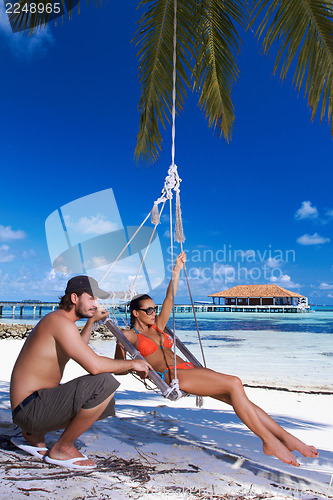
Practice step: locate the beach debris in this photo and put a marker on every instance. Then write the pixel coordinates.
(133, 467)
(206, 494)
(29, 490)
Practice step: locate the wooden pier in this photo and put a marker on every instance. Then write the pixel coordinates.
(35, 305)
(185, 308)
(37, 308)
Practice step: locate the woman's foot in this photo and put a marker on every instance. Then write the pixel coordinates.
(279, 450)
(293, 443)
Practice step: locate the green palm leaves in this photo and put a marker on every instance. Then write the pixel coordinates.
(208, 42)
(303, 30)
(215, 70)
(208, 33)
(206, 45)
(155, 38)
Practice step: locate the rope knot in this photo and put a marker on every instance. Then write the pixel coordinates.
(131, 292)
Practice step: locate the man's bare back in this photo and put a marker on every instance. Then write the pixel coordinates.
(42, 359)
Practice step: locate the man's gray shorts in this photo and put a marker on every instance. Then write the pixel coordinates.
(53, 408)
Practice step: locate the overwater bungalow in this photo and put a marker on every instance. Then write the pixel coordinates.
(259, 298)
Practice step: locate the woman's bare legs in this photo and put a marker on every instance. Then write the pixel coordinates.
(205, 382)
(290, 441)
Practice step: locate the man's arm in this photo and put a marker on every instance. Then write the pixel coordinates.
(76, 348)
(86, 332)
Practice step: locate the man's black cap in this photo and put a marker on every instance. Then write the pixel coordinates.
(86, 284)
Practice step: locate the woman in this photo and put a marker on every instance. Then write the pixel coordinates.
(147, 335)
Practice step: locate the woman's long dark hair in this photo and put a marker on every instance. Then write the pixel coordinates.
(136, 304)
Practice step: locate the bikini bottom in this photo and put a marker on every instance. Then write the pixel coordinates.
(182, 366)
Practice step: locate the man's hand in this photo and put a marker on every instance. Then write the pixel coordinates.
(141, 367)
(100, 314)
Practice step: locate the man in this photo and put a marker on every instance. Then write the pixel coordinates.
(39, 404)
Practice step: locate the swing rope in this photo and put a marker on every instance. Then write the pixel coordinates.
(146, 251)
(174, 382)
(123, 250)
(194, 314)
(171, 183)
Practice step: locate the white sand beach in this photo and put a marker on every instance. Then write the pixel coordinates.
(155, 448)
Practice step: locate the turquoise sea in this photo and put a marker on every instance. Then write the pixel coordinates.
(292, 351)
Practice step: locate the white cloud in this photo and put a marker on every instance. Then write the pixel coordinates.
(8, 234)
(285, 281)
(97, 261)
(5, 255)
(20, 43)
(325, 286)
(314, 239)
(248, 253)
(26, 254)
(25, 285)
(271, 262)
(96, 224)
(51, 275)
(307, 211)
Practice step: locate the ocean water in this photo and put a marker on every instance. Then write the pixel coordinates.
(292, 351)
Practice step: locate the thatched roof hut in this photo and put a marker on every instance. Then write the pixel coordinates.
(256, 291)
(258, 295)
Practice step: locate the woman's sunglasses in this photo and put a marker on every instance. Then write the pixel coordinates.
(150, 310)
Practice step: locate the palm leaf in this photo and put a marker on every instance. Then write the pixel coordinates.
(33, 18)
(155, 38)
(28, 19)
(215, 71)
(303, 31)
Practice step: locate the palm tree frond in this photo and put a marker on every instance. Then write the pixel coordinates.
(303, 31)
(29, 15)
(155, 39)
(216, 70)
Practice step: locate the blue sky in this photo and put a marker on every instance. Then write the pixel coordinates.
(68, 128)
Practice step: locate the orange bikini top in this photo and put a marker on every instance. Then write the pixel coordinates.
(147, 346)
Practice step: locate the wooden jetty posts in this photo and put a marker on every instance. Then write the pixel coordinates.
(35, 305)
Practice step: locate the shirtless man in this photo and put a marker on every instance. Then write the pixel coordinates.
(39, 404)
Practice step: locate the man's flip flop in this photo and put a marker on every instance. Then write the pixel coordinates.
(70, 463)
(29, 448)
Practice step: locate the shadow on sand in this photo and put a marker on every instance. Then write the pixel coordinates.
(219, 434)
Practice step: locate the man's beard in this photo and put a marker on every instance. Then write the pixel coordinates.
(81, 314)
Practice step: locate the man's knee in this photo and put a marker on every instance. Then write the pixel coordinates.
(101, 388)
(104, 380)
(109, 411)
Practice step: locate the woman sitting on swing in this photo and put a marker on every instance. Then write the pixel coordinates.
(147, 335)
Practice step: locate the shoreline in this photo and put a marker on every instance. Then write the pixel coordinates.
(20, 331)
(17, 331)
(286, 389)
